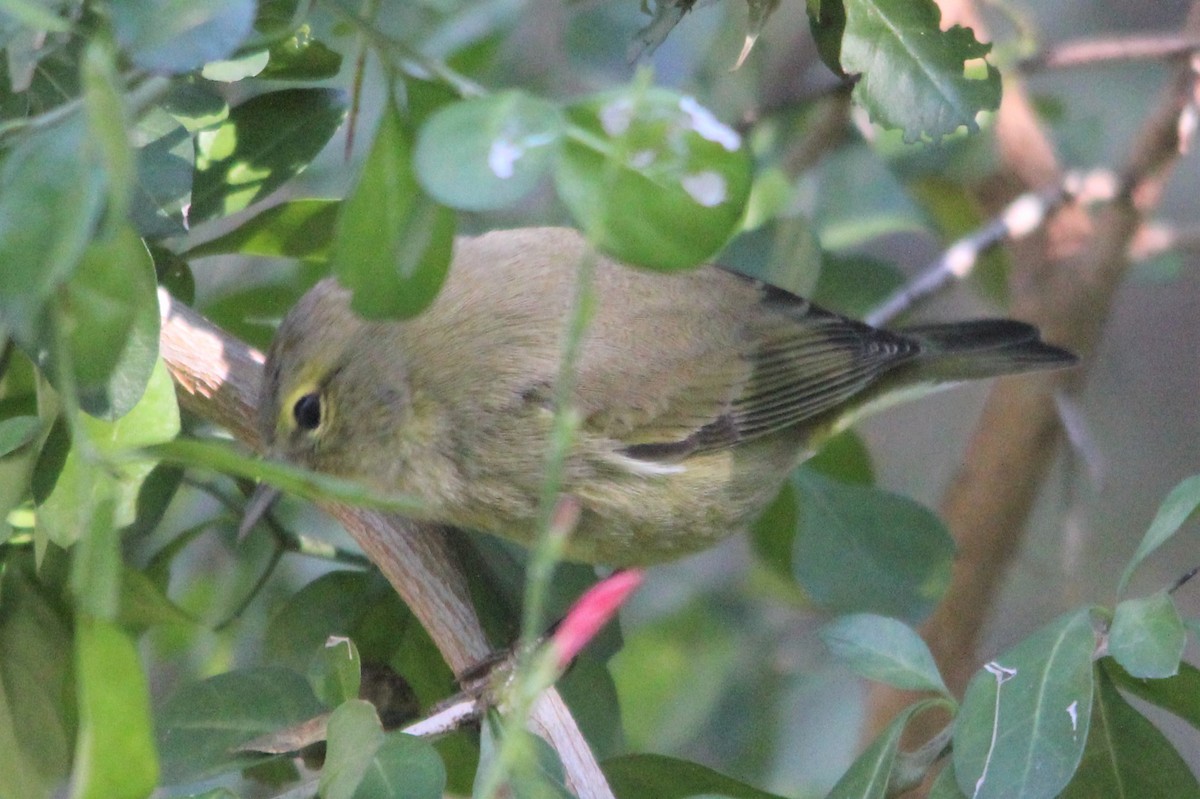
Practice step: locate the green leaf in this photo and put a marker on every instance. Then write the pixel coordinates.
(37, 725)
(827, 21)
(845, 458)
(239, 67)
(81, 485)
(48, 171)
(863, 549)
(143, 604)
(1024, 719)
(946, 786)
(292, 229)
(96, 561)
(1147, 636)
(912, 72)
(354, 736)
(854, 284)
(223, 457)
(532, 771)
(179, 35)
(166, 157)
(884, 650)
(115, 755)
(652, 177)
(263, 143)
(105, 111)
(110, 320)
(774, 532)
(1179, 694)
(487, 152)
(201, 725)
(647, 776)
(392, 244)
(1126, 755)
(301, 57)
(16, 432)
(404, 767)
(1179, 505)
(336, 671)
(868, 776)
(671, 675)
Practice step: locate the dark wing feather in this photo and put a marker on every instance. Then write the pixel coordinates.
(803, 361)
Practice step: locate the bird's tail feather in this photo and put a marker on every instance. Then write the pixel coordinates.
(983, 348)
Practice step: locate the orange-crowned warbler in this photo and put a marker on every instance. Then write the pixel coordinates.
(695, 392)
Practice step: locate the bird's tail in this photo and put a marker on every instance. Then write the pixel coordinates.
(982, 348)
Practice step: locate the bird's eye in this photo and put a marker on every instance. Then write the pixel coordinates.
(307, 411)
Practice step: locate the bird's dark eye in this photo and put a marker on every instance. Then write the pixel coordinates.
(307, 411)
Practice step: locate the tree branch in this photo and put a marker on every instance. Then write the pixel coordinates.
(1063, 281)
(218, 377)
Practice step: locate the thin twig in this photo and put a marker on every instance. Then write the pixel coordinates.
(1097, 51)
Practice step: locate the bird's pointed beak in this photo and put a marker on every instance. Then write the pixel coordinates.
(260, 502)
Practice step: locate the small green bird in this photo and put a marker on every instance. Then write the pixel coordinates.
(697, 393)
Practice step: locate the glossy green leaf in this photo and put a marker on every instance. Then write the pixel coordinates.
(292, 229)
(1024, 719)
(653, 177)
(301, 57)
(16, 432)
(648, 776)
(336, 671)
(48, 171)
(863, 549)
(1126, 756)
(201, 725)
(1176, 509)
(884, 650)
(868, 776)
(487, 152)
(392, 244)
(912, 72)
(180, 35)
(354, 736)
(404, 767)
(115, 755)
(37, 713)
(1147, 637)
(1179, 694)
(263, 143)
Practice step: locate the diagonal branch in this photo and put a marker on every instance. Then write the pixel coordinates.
(218, 378)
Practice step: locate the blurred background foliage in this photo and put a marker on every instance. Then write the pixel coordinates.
(208, 144)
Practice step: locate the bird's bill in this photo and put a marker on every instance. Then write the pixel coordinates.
(260, 502)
